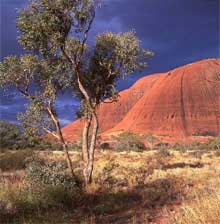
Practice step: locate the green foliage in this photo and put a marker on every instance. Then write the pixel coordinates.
(212, 144)
(34, 118)
(114, 57)
(20, 201)
(127, 145)
(128, 141)
(44, 25)
(17, 72)
(13, 136)
(128, 135)
(10, 135)
(40, 173)
(56, 32)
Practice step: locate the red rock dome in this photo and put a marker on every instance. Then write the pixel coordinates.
(178, 103)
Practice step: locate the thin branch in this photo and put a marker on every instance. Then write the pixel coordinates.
(86, 36)
(25, 93)
(51, 132)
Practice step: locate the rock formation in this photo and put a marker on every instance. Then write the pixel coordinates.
(179, 103)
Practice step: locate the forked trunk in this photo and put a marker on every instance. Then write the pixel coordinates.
(88, 164)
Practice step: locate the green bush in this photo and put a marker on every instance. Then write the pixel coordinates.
(10, 135)
(128, 145)
(40, 173)
(20, 200)
(212, 144)
(128, 141)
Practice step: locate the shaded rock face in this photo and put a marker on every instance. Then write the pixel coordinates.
(179, 103)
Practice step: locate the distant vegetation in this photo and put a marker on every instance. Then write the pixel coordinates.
(12, 136)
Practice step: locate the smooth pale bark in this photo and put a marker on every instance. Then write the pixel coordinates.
(88, 147)
(59, 135)
(61, 139)
(92, 147)
(85, 146)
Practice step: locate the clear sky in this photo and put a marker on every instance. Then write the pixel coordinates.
(178, 31)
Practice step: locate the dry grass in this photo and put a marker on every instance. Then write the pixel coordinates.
(133, 187)
(202, 210)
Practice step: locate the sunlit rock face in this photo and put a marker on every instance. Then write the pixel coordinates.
(179, 103)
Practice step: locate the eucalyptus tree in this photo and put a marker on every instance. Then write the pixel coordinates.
(60, 28)
(39, 81)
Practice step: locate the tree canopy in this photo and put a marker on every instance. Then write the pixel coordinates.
(55, 32)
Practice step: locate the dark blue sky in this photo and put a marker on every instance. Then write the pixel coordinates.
(178, 31)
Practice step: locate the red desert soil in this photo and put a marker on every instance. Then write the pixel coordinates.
(178, 104)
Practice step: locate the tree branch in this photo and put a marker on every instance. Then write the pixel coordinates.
(51, 132)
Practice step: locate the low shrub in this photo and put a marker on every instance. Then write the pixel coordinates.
(41, 173)
(130, 145)
(10, 135)
(212, 144)
(204, 133)
(104, 146)
(164, 152)
(128, 141)
(45, 187)
(20, 200)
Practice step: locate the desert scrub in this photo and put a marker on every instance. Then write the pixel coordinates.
(50, 185)
(129, 145)
(49, 174)
(46, 186)
(15, 160)
(115, 177)
(164, 152)
(10, 135)
(128, 141)
(201, 210)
